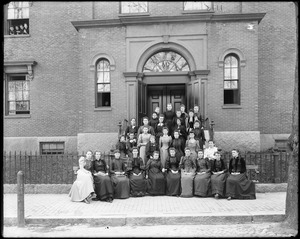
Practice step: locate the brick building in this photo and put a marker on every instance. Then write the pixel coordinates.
(79, 68)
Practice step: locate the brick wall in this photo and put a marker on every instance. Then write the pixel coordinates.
(222, 36)
(53, 44)
(277, 55)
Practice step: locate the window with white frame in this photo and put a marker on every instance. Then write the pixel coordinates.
(195, 5)
(17, 18)
(103, 83)
(231, 79)
(17, 94)
(134, 7)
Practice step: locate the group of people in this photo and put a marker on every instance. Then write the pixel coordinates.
(19, 29)
(162, 157)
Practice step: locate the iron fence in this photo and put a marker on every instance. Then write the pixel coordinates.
(58, 169)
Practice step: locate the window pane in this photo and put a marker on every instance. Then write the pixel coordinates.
(19, 95)
(234, 84)
(12, 106)
(11, 86)
(106, 66)
(166, 61)
(60, 146)
(26, 95)
(227, 74)
(197, 5)
(227, 62)
(26, 85)
(100, 87)
(234, 61)
(234, 73)
(52, 146)
(11, 96)
(107, 88)
(106, 77)
(227, 84)
(100, 77)
(134, 7)
(22, 105)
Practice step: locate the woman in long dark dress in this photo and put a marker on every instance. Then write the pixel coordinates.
(173, 185)
(151, 146)
(130, 143)
(156, 178)
(118, 176)
(103, 184)
(187, 167)
(159, 127)
(219, 176)
(132, 128)
(199, 134)
(202, 179)
(169, 115)
(122, 146)
(179, 145)
(135, 170)
(237, 184)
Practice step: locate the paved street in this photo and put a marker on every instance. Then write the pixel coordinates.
(234, 230)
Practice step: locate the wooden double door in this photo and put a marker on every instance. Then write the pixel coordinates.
(161, 95)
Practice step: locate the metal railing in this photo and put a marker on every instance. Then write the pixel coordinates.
(58, 169)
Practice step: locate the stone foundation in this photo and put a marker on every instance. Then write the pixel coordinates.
(96, 141)
(241, 140)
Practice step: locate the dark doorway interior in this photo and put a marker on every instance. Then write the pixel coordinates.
(161, 95)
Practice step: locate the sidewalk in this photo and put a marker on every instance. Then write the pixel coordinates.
(57, 210)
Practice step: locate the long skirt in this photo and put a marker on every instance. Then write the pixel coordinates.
(121, 186)
(103, 187)
(239, 187)
(138, 185)
(173, 187)
(156, 182)
(143, 153)
(164, 153)
(218, 184)
(82, 187)
(202, 185)
(187, 184)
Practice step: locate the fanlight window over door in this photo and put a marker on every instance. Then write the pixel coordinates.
(166, 61)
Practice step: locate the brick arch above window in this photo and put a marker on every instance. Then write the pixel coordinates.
(99, 56)
(235, 51)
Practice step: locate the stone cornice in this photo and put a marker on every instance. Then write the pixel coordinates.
(138, 20)
(27, 64)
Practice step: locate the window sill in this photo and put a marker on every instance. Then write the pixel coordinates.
(196, 11)
(16, 36)
(17, 116)
(231, 107)
(134, 14)
(103, 109)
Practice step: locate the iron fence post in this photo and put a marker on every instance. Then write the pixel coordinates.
(276, 167)
(21, 216)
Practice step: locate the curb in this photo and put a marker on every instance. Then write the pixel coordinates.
(65, 188)
(138, 220)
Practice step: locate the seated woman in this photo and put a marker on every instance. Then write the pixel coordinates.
(151, 146)
(103, 184)
(237, 184)
(89, 161)
(209, 152)
(135, 170)
(219, 176)
(202, 179)
(83, 187)
(155, 176)
(130, 143)
(122, 146)
(173, 185)
(118, 177)
(187, 167)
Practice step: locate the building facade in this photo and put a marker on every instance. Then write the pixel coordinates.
(79, 68)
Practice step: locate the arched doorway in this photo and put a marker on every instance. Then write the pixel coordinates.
(166, 81)
(165, 73)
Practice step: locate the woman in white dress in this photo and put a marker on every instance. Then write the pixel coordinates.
(83, 187)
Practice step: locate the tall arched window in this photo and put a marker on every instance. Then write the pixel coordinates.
(103, 83)
(231, 79)
(166, 61)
